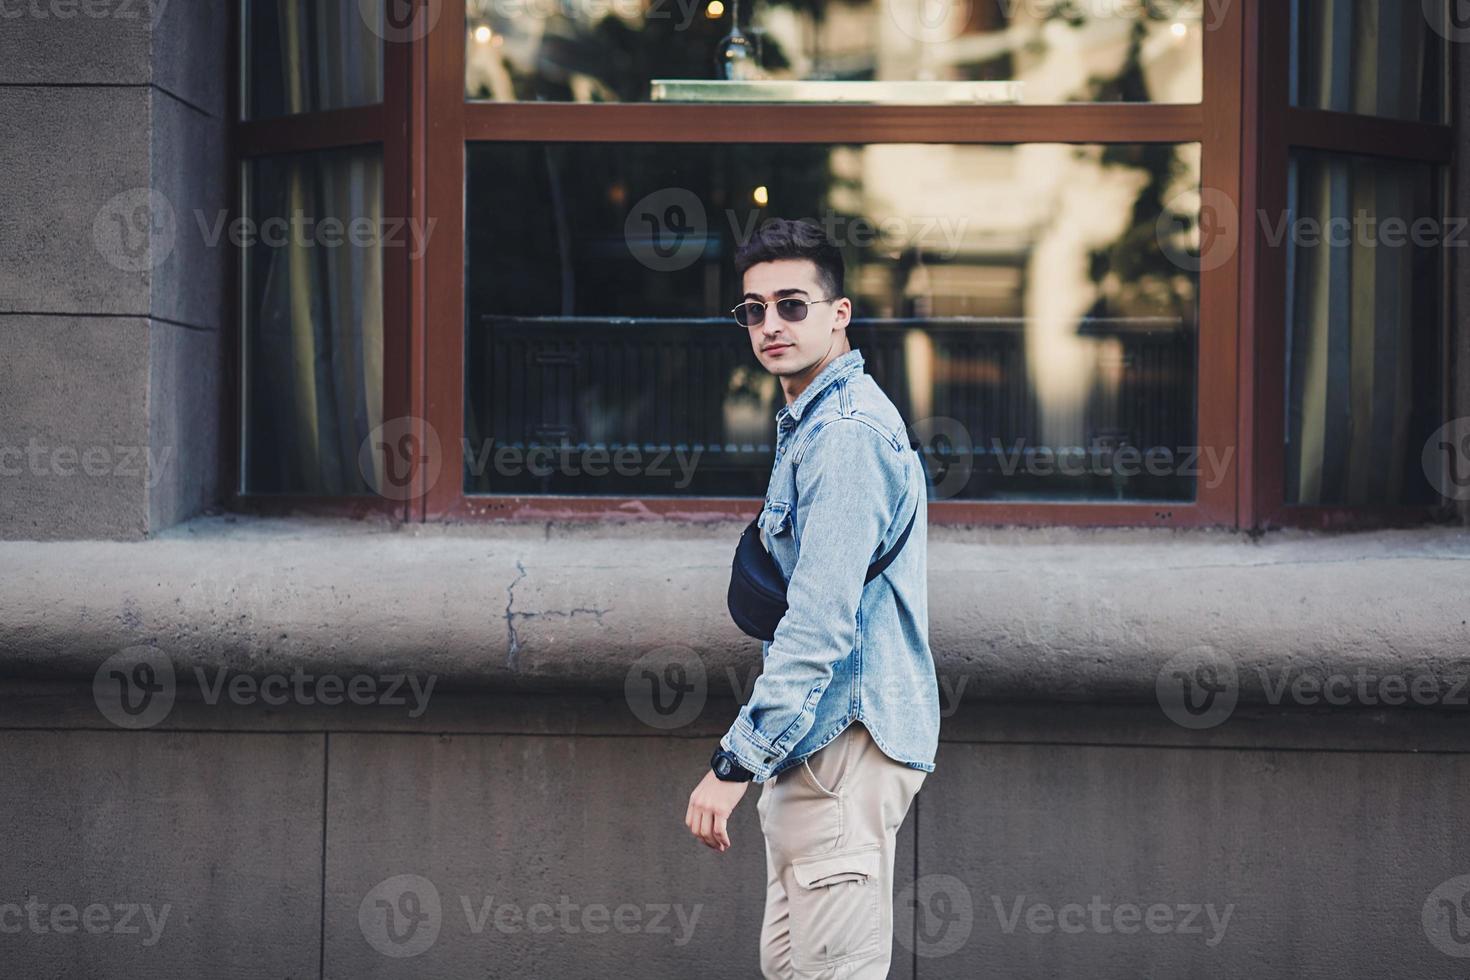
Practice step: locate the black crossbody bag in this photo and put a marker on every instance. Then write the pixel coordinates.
(757, 596)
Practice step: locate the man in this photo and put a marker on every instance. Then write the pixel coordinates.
(843, 722)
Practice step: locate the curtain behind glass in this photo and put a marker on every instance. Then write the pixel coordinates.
(1371, 57)
(310, 56)
(1364, 318)
(314, 323)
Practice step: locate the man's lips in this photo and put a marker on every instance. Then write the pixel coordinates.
(776, 348)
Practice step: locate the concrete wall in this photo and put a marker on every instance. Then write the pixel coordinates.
(1049, 842)
(113, 130)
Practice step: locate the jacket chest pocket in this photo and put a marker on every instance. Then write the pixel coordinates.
(778, 534)
(775, 518)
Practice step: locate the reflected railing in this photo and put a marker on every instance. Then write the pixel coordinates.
(584, 384)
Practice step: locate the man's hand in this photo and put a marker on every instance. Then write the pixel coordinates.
(710, 806)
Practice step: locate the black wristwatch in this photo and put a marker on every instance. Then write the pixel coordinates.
(728, 768)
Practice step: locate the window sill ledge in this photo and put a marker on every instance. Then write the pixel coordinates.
(1015, 614)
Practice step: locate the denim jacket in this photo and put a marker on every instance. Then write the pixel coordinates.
(842, 488)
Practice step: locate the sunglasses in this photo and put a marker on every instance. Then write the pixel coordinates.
(790, 309)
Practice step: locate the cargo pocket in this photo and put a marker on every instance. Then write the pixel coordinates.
(835, 911)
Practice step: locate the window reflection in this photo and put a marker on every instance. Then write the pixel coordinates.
(1057, 50)
(1015, 301)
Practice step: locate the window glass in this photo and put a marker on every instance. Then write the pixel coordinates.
(887, 51)
(313, 308)
(1032, 310)
(1373, 57)
(1365, 325)
(311, 55)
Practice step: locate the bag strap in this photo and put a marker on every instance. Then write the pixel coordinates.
(876, 569)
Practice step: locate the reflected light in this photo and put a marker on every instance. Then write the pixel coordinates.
(761, 196)
(1179, 29)
(483, 34)
(715, 10)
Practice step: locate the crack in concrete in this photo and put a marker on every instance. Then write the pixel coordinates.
(514, 641)
(513, 638)
(570, 612)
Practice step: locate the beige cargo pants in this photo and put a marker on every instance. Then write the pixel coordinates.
(830, 826)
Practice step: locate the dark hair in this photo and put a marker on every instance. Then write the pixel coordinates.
(781, 238)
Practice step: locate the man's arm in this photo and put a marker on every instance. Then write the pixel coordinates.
(846, 483)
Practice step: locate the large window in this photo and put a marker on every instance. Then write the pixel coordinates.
(1060, 221)
(897, 50)
(1016, 302)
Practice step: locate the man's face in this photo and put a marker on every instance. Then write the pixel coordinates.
(784, 347)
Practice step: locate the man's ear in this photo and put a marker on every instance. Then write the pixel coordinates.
(843, 312)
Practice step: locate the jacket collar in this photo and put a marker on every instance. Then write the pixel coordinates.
(842, 366)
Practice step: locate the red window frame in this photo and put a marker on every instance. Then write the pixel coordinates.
(1243, 125)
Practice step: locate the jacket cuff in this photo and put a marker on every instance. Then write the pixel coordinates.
(752, 751)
